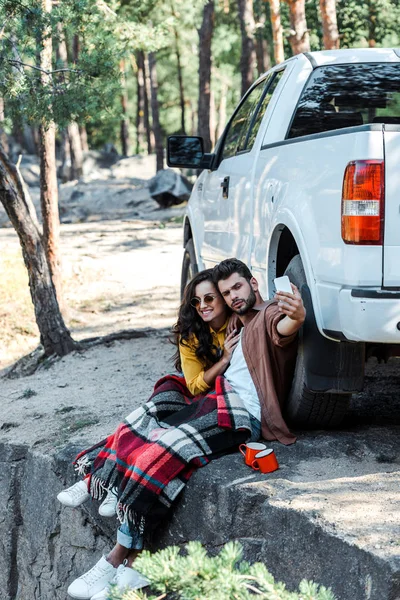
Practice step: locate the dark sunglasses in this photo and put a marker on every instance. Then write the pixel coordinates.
(208, 299)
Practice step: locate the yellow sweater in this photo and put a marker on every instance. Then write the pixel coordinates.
(193, 368)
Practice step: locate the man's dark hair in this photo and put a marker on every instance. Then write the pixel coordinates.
(227, 267)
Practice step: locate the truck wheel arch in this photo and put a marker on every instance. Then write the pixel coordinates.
(187, 231)
(282, 248)
(286, 242)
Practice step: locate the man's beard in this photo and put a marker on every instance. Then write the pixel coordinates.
(248, 304)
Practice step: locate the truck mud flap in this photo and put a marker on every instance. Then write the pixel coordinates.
(329, 366)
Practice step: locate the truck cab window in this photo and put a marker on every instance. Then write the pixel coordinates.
(270, 89)
(241, 120)
(340, 96)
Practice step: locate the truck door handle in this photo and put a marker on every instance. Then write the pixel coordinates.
(225, 187)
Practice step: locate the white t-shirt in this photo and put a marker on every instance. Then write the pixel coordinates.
(240, 379)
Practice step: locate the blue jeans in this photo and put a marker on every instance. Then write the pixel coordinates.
(130, 538)
(255, 429)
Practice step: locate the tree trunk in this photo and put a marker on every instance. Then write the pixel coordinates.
(140, 132)
(329, 24)
(222, 109)
(55, 337)
(180, 81)
(262, 46)
(25, 136)
(193, 117)
(73, 153)
(147, 101)
(3, 135)
(75, 49)
(277, 33)
(205, 36)
(49, 205)
(372, 17)
(75, 145)
(84, 138)
(124, 130)
(48, 175)
(248, 56)
(64, 171)
(299, 37)
(213, 119)
(155, 111)
(179, 69)
(124, 126)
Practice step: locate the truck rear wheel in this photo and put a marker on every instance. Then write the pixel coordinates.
(305, 407)
(189, 265)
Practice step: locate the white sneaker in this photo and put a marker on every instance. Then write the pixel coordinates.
(108, 507)
(75, 495)
(125, 578)
(93, 581)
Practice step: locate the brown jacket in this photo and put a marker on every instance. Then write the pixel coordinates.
(270, 359)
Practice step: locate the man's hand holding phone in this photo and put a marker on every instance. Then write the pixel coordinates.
(289, 300)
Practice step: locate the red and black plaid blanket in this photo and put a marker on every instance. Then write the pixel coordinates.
(155, 450)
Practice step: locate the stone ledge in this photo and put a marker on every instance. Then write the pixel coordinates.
(331, 514)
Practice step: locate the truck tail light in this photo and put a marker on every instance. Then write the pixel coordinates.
(363, 202)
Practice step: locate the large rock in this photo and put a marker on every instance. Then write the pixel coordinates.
(331, 514)
(169, 187)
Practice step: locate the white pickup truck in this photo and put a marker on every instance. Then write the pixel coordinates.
(305, 180)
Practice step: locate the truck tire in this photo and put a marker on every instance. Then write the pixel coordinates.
(304, 407)
(189, 265)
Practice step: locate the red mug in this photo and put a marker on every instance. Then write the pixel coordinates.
(250, 450)
(265, 461)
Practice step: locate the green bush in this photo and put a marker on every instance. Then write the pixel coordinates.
(197, 576)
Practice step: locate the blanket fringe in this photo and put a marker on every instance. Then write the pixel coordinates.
(126, 514)
(97, 488)
(82, 465)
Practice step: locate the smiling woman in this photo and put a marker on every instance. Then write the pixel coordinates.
(203, 346)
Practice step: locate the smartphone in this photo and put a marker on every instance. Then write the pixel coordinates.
(282, 284)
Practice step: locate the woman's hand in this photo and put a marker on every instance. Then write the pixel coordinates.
(231, 341)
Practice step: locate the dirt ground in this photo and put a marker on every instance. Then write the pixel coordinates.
(121, 258)
(121, 263)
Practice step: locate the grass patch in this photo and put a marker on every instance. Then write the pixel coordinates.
(64, 410)
(28, 393)
(82, 424)
(71, 423)
(178, 220)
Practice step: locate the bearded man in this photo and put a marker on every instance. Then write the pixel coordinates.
(262, 364)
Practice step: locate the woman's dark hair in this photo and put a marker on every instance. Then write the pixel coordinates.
(189, 323)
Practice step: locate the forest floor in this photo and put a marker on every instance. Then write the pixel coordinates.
(121, 263)
(121, 258)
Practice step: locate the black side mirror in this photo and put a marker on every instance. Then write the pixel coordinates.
(185, 151)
